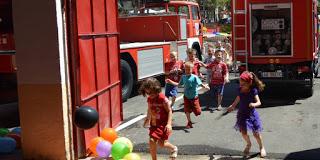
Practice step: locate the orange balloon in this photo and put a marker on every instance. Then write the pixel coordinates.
(93, 144)
(109, 134)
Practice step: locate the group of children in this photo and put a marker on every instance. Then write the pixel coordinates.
(159, 115)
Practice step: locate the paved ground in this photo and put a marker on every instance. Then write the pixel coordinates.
(290, 127)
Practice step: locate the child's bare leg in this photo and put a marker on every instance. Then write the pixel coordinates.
(167, 145)
(189, 124)
(153, 148)
(188, 117)
(219, 100)
(172, 149)
(258, 137)
(173, 100)
(245, 136)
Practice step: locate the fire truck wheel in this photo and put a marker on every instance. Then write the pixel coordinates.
(308, 90)
(126, 80)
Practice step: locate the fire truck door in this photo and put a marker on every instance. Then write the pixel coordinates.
(95, 69)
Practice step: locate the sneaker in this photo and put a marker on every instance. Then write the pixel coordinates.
(189, 125)
(219, 108)
(174, 153)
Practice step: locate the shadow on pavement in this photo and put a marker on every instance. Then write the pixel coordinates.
(189, 150)
(181, 128)
(312, 154)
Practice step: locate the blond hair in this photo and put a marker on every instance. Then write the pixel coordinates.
(174, 53)
(189, 64)
(191, 51)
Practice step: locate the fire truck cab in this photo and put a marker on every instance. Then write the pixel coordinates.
(277, 40)
(148, 35)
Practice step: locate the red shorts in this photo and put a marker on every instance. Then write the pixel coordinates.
(192, 105)
(159, 132)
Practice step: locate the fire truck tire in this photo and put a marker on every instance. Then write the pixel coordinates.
(308, 91)
(126, 80)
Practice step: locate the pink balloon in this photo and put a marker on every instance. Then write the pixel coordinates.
(104, 149)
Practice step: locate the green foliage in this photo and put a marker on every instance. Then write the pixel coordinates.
(226, 28)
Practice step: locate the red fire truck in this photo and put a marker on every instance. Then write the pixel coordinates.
(277, 40)
(146, 37)
(149, 34)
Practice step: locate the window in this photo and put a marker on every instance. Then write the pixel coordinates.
(155, 10)
(195, 12)
(172, 9)
(184, 10)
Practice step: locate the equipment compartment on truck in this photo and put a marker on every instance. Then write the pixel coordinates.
(271, 30)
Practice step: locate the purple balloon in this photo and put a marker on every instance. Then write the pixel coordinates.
(104, 149)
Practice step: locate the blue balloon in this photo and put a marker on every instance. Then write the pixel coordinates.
(16, 130)
(7, 145)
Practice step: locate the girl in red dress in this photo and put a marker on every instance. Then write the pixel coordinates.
(159, 118)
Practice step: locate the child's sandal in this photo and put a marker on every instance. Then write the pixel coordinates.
(174, 153)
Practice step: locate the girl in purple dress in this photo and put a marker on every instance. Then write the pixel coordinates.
(247, 116)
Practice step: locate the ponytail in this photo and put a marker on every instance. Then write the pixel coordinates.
(257, 82)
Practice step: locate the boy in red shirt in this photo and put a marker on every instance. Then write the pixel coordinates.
(173, 71)
(219, 77)
(159, 118)
(191, 53)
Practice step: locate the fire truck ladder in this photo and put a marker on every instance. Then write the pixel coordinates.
(240, 35)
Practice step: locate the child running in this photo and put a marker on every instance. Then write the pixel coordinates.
(219, 77)
(191, 99)
(247, 116)
(159, 117)
(173, 71)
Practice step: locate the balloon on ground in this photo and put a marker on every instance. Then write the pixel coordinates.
(125, 141)
(119, 150)
(3, 131)
(132, 156)
(104, 149)
(109, 134)
(7, 145)
(93, 144)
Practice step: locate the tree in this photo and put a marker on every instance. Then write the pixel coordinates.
(211, 7)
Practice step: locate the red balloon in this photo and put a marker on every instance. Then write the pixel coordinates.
(16, 137)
